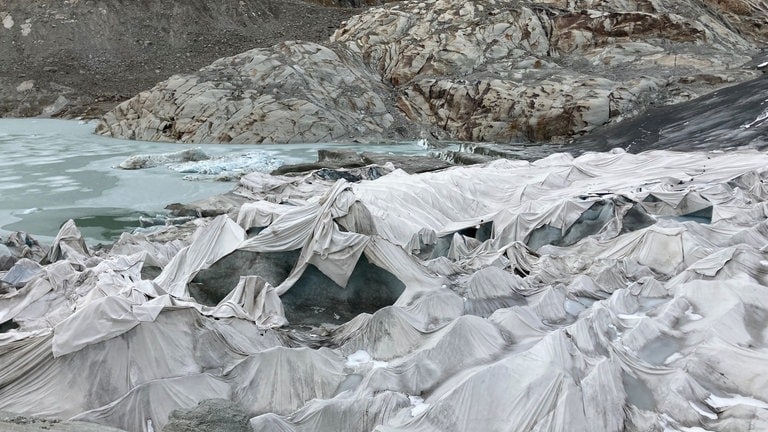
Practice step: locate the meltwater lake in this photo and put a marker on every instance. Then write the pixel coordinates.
(55, 170)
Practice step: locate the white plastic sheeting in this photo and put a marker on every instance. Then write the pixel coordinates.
(605, 292)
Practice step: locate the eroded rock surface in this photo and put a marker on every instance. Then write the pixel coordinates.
(292, 92)
(500, 71)
(492, 70)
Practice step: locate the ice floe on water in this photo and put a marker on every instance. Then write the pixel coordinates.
(157, 159)
(200, 165)
(228, 167)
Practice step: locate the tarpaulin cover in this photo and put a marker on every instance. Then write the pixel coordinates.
(611, 292)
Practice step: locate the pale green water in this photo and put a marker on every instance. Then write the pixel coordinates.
(54, 170)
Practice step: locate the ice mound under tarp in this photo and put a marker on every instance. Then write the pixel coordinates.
(606, 292)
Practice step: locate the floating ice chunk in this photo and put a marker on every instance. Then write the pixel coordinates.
(362, 357)
(702, 411)
(733, 400)
(417, 405)
(153, 160)
(231, 166)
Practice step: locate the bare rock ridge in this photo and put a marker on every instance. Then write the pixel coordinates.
(292, 92)
(493, 70)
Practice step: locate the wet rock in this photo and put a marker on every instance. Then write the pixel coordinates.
(211, 415)
(409, 164)
(208, 207)
(734, 117)
(346, 160)
(10, 422)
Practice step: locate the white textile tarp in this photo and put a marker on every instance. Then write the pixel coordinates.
(215, 240)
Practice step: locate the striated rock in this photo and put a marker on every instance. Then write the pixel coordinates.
(734, 117)
(293, 92)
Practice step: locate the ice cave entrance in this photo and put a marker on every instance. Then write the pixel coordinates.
(314, 299)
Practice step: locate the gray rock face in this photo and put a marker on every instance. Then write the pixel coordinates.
(293, 92)
(500, 70)
(492, 70)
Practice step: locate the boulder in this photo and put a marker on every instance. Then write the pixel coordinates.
(210, 415)
(10, 422)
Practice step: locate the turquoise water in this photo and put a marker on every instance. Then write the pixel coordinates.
(54, 170)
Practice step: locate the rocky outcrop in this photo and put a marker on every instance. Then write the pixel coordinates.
(500, 71)
(492, 70)
(292, 92)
